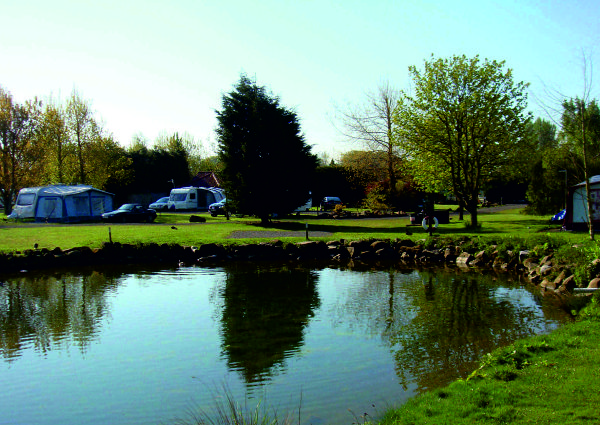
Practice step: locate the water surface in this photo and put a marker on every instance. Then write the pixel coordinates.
(144, 346)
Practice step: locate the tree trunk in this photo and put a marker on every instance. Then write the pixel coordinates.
(588, 196)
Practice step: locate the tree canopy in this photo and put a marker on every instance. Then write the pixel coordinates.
(464, 124)
(267, 166)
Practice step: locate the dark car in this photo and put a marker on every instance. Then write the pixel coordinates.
(217, 208)
(130, 213)
(329, 203)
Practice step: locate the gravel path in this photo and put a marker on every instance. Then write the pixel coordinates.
(274, 234)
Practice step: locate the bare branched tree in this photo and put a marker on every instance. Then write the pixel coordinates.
(578, 120)
(371, 125)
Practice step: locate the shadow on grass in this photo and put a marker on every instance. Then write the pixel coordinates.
(314, 225)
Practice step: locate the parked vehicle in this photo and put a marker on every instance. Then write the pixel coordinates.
(329, 203)
(160, 204)
(194, 198)
(217, 208)
(130, 213)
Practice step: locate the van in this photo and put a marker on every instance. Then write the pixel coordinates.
(194, 198)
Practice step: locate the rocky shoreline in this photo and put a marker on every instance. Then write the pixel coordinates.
(538, 267)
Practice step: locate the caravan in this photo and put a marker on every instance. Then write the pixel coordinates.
(62, 203)
(194, 198)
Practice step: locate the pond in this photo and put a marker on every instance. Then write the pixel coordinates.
(144, 346)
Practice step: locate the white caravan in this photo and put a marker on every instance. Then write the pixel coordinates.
(194, 198)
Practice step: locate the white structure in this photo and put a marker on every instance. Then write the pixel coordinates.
(194, 198)
(62, 203)
(577, 213)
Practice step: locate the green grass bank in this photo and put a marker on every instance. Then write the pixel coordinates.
(547, 379)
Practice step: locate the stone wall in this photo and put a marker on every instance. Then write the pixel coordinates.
(543, 272)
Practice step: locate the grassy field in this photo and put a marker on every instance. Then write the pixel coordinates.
(23, 235)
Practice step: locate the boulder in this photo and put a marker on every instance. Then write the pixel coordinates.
(464, 259)
(594, 283)
(545, 270)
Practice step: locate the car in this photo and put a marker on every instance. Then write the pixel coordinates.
(130, 213)
(217, 208)
(329, 203)
(160, 204)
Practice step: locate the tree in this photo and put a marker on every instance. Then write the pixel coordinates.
(550, 164)
(20, 155)
(371, 124)
(83, 130)
(267, 166)
(53, 135)
(466, 120)
(581, 128)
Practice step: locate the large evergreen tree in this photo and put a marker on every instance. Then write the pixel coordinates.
(267, 166)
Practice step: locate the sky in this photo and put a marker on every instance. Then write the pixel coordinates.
(154, 67)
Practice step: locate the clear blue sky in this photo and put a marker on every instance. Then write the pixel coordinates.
(162, 66)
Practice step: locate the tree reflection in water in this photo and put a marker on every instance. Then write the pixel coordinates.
(439, 324)
(41, 311)
(265, 311)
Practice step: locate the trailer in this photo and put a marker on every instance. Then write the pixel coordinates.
(194, 198)
(62, 203)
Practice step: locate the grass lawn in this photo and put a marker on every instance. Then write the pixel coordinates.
(23, 235)
(547, 379)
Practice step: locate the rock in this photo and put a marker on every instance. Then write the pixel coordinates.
(523, 255)
(405, 242)
(560, 278)
(594, 283)
(530, 264)
(312, 250)
(464, 259)
(545, 270)
(568, 284)
(547, 285)
(377, 245)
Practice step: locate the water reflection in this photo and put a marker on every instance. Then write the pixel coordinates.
(344, 339)
(46, 311)
(439, 324)
(41, 311)
(264, 314)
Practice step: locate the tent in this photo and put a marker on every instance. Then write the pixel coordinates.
(62, 203)
(577, 213)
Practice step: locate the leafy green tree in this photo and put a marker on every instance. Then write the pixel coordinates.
(581, 129)
(267, 165)
(83, 129)
(338, 180)
(464, 123)
(53, 135)
(546, 173)
(20, 153)
(109, 166)
(157, 170)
